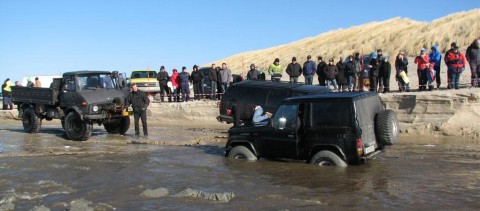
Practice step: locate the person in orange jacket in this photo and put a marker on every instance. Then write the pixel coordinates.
(422, 60)
(456, 64)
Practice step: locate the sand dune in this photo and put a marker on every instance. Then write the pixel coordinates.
(393, 35)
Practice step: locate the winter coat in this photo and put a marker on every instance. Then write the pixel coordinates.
(309, 68)
(197, 76)
(401, 64)
(294, 70)
(184, 78)
(212, 74)
(473, 54)
(349, 68)
(162, 77)
(385, 69)
(341, 76)
(422, 61)
(331, 71)
(242, 111)
(225, 75)
(253, 74)
(435, 57)
(375, 65)
(321, 69)
(275, 69)
(456, 61)
(175, 80)
(139, 101)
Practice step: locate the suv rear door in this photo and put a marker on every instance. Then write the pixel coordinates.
(366, 109)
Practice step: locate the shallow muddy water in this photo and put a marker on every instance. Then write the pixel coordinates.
(46, 171)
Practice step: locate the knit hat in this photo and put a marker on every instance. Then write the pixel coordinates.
(162, 68)
(379, 50)
(277, 60)
(453, 44)
(175, 70)
(184, 68)
(373, 55)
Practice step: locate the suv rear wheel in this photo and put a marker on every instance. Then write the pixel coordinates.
(386, 127)
(241, 152)
(327, 158)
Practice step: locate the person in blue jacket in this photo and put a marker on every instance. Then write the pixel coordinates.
(436, 58)
(184, 79)
(309, 69)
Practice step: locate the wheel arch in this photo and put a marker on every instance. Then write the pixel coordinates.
(244, 143)
(333, 148)
(22, 107)
(74, 109)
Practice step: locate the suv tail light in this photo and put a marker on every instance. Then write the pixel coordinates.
(359, 147)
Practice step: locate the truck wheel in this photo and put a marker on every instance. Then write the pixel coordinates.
(31, 123)
(76, 128)
(386, 127)
(241, 152)
(327, 158)
(118, 127)
(124, 125)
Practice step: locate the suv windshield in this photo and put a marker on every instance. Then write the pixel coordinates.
(144, 74)
(97, 81)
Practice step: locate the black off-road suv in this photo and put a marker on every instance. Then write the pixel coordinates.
(330, 129)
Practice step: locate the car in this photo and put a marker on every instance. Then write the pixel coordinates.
(330, 129)
(146, 81)
(263, 93)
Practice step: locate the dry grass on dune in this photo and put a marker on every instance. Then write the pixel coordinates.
(392, 36)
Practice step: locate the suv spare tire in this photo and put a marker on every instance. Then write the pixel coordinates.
(76, 128)
(386, 127)
(241, 152)
(30, 120)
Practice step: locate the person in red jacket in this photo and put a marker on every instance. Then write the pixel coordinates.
(422, 60)
(176, 86)
(456, 64)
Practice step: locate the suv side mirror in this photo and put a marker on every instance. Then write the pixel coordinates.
(282, 122)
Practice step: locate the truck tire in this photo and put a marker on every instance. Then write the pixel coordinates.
(386, 127)
(77, 129)
(118, 127)
(327, 158)
(241, 152)
(30, 120)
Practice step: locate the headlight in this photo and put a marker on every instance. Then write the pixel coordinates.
(95, 108)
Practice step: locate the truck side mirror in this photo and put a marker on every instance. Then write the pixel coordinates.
(282, 122)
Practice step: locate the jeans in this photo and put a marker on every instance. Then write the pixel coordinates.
(332, 82)
(224, 87)
(293, 79)
(351, 82)
(143, 116)
(455, 77)
(213, 91)
(309, 79)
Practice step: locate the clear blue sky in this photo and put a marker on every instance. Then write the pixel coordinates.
(48, 37)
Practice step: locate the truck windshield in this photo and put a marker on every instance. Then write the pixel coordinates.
(95, 81)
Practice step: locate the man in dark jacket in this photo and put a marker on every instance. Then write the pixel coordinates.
(384, 74)
(212, 75)
(473, 58)
(197, 79)
(294, 70)
(321, 71)
(184, 79)
(331, 72)
(309, 69)
(162, 78)
(253, 73)
(373, 72)
(139, 101)
(342, 75)
(242, 112)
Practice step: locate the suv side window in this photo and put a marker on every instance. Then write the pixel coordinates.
(323, 114)
(285, 117)
(276, 96)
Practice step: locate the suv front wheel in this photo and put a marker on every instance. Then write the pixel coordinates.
(241, 152)
(327, 158)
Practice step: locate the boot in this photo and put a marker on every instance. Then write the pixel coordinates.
(430, 87)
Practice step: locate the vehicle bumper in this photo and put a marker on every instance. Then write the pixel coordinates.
(149, 89)
(224, 118)
(370, 156)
